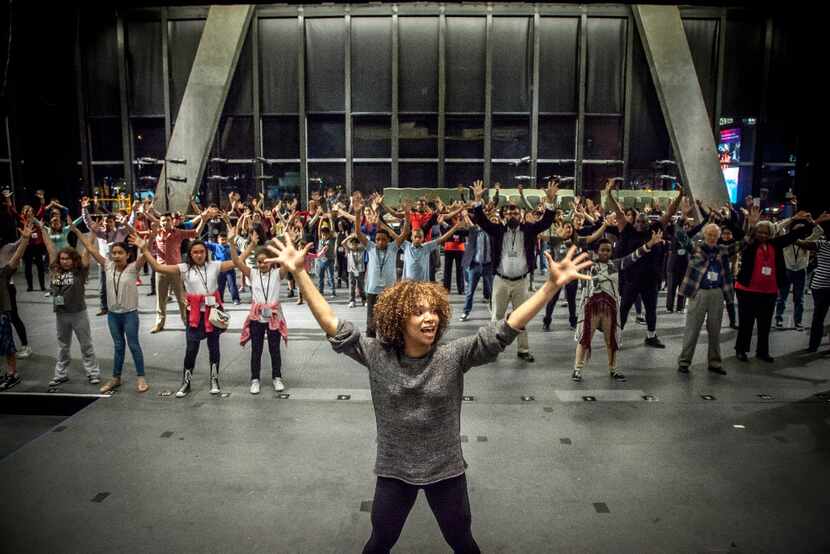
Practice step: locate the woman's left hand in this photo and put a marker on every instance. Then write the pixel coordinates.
(568, 268)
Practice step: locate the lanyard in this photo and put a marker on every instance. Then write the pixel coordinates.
(513, 244)
(117, 282)
(202, 279)
(383, 262)
(267, 287)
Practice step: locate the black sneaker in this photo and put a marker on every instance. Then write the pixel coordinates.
(779, 323)
(741, 356)
(617, 376)
(464, 317)
(654, 342)
(641, 320)
(527, 356)
(799, 327)
(718, 370)
(9, 381)
(576, 375)
(58, 381)
(669, 310)
(683, 369)
(184, 390)
(546, 327)
(766, 358)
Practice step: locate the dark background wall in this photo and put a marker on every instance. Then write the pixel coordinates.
(754, 69)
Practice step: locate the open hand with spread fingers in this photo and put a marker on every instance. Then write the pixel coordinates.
(568, 268)
(289, 257)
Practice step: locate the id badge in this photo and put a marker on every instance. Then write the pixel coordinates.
(766, 271)
(681, 252)
(266, 312)
(712, 276)
(210, 300)
(512, 254)
(58, 300)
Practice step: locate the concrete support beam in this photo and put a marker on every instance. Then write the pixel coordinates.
(670, 61)
(204, 98)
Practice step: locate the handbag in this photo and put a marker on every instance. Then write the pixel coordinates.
(219, 318)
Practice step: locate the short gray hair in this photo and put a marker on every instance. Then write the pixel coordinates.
(710, 226)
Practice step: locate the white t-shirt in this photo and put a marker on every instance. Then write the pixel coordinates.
(265, 287)
(122, 293)
(200, 280)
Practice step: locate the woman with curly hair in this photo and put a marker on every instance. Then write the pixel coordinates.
(417, 388)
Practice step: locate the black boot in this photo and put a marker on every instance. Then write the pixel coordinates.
(184, 390)
(214, 379)
(730, 311)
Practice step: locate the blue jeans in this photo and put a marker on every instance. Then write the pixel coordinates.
(795, 279)
(474, 273)
(325, 266)
(228, 278)
(122, 325)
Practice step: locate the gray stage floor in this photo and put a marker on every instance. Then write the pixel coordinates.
(548, 472)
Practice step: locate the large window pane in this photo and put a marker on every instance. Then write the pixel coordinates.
(594, 177)
(465, 43)
(465, 137)
(606, 65)
(780, 141)
(418, 64)
(235, 139)
(418, 175)
(144, 71)
(372, 137)
(280, 137)
(371, 177)
(146, 176)
(462, 173)
(326, 136)
(241, 94)
(105, 138)
(332, 175)
(649, 136)
(285, 182)
(558, 64)
(148, 137)
(557, 137)
(511, 137)
(371, 64)
(512, 65)
(603, 138)
(325, 58)
(108, 179)
(183, 43)
(278, 43)
(418, 136)
(702, 35)
(100, 52)
(743, 65)
(506, 173)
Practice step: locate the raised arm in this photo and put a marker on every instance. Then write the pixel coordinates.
(559, 275)
(609, 195)
(672, 209)
(144, 246)
(358, 210)
(25, 235)
(293, 260)
(443, 238)
(89, 246)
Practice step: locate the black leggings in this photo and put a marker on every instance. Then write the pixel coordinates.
(195, 335)
(258, 332)
(570, 295)
(448, 500)
(34, 255)
(15, 317)
(752, 307)
(451, 256)
(648, 291)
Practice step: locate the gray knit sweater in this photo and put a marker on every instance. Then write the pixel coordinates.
(418, 400)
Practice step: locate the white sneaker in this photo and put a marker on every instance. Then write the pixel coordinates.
(279, 386)
(47, 295)
(24, 352)
(351, 304)
(254, 386)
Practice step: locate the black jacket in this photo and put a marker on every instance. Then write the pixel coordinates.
(497, 230)
(780, 242)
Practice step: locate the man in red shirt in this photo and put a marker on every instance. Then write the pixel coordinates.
(168, 242)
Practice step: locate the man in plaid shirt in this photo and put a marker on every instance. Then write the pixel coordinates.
(707, 282)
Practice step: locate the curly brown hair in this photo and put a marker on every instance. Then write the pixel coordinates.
(397, 303)
(55, 266)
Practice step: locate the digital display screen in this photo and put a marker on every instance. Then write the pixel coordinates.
(729, 148)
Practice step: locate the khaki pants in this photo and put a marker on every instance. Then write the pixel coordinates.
(172, 283)
(510, 292)
(705, 304)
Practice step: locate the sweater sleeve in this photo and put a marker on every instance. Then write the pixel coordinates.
(485, 346)
(350, 341)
